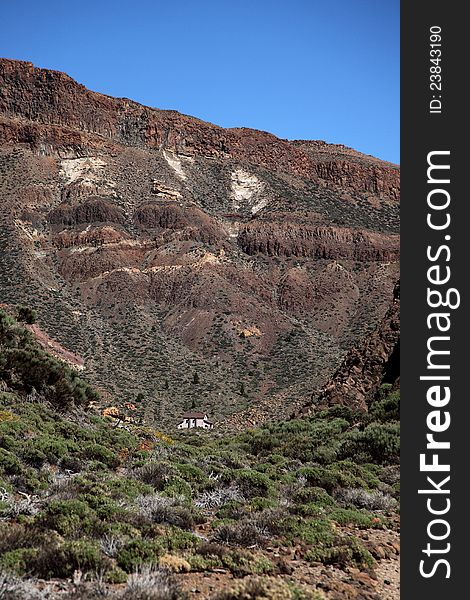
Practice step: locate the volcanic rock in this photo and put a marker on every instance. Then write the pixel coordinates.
(156, 246)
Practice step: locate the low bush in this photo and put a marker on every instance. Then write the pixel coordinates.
(354, 516)
(9, 463)
(246, 533)
(252, 483)
(138, 553)
(116, 575)
(315, 495)
(266, 588)
(62, 558)
(242, 564)
(26, 314)
(344, 552)
(17, 561)
(178, 487)
(70, 518)
(175, 539)
(162, 509)
(175, 564)
(260, 504)
(315, 532)
(386, 408)
(377, 443)
(47, 448)
(81, 554)
(191, 473)
(374, 500)
(156, 474)
(101, 454)
(204, 563)
(152, 584)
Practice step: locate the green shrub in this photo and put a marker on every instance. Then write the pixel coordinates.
(351, 516)
(8, 441)
(30, 480)
(253, 483)
(61, 558)
(265, 588)
(9, 463)
(323, 477)
(26, 314)
(258, 503)
(106, 509)
(344, 552)
(80, 554)
(235, 509)
(177, 487)
(311, 509)
(102, 454)
(386, 408)
(124, 487)
(174, 539)
(139, 552)
(204, 563)
(190, 473)
(47, 448)
(378, 443)
(316, 495)
(242, 564)
(315, 532)
(116, 575)
(17, 561)
(69, 517)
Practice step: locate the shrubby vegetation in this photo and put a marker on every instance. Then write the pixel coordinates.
(78, 494)
(26, 368)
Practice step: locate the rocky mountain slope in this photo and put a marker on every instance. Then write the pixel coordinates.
(299, 510)
(373, 362)
(185, 262)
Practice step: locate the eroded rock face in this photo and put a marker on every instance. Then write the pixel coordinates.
(93, 210)
(344, 166)
(374, 361)
(155, 245)
(193, 223)
(53, 98)
(287, 239)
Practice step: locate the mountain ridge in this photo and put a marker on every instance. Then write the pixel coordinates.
(158, 246)
(115, 118)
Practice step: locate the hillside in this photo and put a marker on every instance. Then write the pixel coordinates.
(185, 262)
(303, 510)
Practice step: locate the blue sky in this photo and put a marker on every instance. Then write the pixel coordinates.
(310, 69)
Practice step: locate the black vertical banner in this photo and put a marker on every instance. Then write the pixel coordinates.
(435, 359)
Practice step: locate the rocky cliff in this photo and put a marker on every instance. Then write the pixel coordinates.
(158, 246)
(55, 100)
(375, 360)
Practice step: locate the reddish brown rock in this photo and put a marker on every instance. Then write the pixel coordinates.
(53, 98)
(287, 239)
(157, 245)
(374, 361)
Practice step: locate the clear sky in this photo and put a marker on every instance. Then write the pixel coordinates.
(301, 69)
